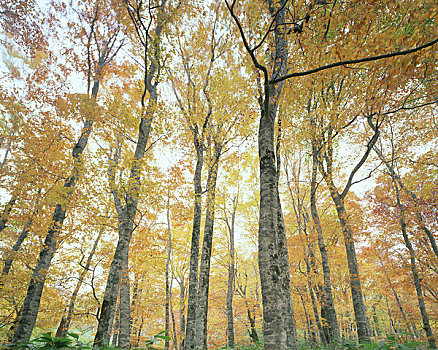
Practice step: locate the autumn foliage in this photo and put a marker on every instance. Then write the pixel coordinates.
(219, 174)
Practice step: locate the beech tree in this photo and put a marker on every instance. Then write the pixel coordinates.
(316, 228)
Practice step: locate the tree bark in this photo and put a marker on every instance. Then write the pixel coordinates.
(231, 274)
(355, 285)
(194, 250)
(278, 330)
(207, 244)
(125, 312)
(332, 319)
(182, 305)
(23, 235)
(168, 282)
(115, 327)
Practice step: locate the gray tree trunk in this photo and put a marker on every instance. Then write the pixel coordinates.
(363, 330)
(126, 216)
(231, 274)
(420, 296)
(278, 330)
(125, 312)
(126, 212)
(355, 285)
(182, 305)
(207, 244)
(168, 282)
(194, 250)
(332, 319)
(116, 327)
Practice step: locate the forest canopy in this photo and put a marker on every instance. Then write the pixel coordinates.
(248, 174)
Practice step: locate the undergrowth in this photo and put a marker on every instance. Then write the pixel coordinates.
(45, 341)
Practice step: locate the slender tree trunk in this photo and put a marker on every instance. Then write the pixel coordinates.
(328, 295)
(397, 299)
(23, 235)
(363, 331)
(417, 211)
(355, 285)
(36, 285)
(314, 306)
(204, 271)
(231, 274)
(252, 324)
(168, 282)
(391, 322)
(140, 328)
(425, 317)
(175, 336)
(396, 178)
(182, 305)
(116, 327)
(125, 311)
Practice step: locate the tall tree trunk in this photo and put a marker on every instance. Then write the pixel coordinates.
(279, 326)
(9, 260)
(332, 319)
(231, 275)
(126, 212)
(125, 311)
(418, 288)
(313, 300)
(182, 305)
(207, 244)
(278, 330)
(36, 285)
(391, 321)
(62, 330)
(168, 282)
(417, 283)
(355, 285)
(116, 327)
(194, 250)
(363, 331)
(175, 335)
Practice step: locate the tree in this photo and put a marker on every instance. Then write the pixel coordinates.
(31, 304)
(272, 86)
